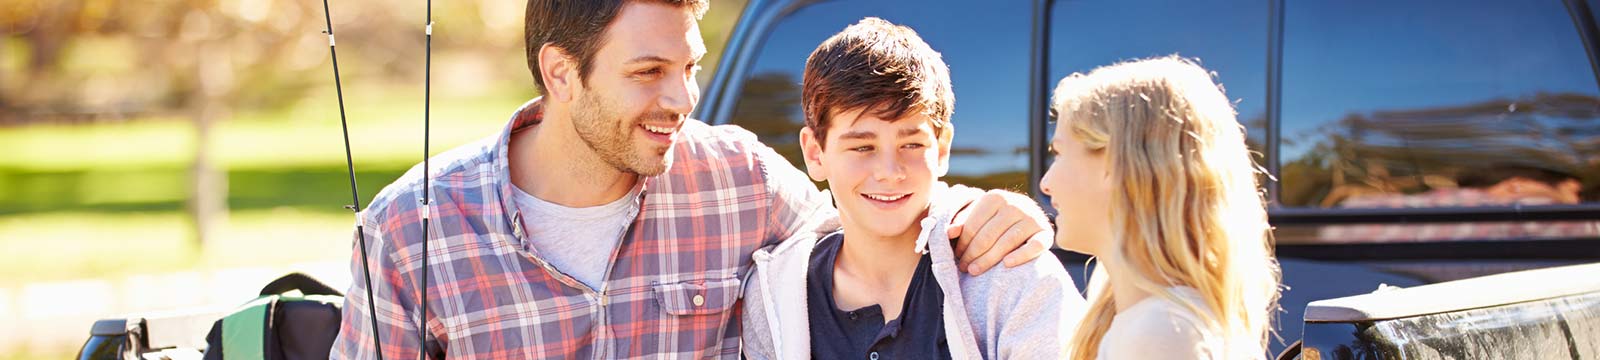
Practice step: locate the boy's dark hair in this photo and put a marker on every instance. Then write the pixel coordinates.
(577, 27)
(881, 68)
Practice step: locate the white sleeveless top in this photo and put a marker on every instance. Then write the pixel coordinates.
(1158, 328)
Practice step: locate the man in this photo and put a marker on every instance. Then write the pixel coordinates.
(602, 222)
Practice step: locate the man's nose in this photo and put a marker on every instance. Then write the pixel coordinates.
(680, 96)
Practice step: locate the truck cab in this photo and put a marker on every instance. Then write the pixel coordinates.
(1404, 144)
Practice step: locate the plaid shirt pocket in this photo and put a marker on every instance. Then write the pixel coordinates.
(698, 297)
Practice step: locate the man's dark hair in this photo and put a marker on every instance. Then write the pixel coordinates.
(879, 67)
(578, 27)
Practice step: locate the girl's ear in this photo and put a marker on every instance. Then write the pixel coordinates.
(811, 150)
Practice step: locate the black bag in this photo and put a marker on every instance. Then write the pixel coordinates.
(296, 317)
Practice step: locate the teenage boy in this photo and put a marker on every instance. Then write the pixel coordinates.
(877, 103)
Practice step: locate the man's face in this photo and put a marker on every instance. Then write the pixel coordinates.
(642, 87)
(880, 171)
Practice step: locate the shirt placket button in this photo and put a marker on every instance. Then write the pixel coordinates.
(873, 356)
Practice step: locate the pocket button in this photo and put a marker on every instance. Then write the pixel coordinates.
(699, 300)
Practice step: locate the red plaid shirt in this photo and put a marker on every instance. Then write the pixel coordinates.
(675, 281)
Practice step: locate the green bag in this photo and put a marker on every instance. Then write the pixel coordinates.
(296, 317)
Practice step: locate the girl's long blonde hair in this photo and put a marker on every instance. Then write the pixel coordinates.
(1188, 210)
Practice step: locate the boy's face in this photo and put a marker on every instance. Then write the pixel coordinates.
(880, 171)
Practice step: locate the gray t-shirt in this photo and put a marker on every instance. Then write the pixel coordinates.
(577, 241)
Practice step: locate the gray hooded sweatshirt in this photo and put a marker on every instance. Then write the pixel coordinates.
(1026, 312)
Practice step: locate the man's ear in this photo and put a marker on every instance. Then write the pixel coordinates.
(811, 150)
(560, 72)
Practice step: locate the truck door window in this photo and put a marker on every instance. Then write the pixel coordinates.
(984, 43)
(1456, 103)
(1228, 40)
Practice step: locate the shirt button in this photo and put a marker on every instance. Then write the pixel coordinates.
(699, 300)
(854, 316)
(873, 355)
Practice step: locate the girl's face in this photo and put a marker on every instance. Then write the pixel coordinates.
(1080, 190)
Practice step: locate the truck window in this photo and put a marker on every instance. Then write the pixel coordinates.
(984, 43)
(1228, 40)
(1422, 104)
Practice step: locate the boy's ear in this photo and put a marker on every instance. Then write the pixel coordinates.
(811, 150)
(560, 73)
(944, 150)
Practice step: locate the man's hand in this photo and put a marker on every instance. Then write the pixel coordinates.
(999, 225)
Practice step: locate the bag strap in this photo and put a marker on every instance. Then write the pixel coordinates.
(298, 281)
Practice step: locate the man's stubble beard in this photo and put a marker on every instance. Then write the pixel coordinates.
(610, 137)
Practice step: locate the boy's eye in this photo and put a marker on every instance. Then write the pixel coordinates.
(912, 146)
(863, 148)
(648, 72)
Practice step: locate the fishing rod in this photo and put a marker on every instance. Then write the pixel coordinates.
(355, 196)
(427, 92)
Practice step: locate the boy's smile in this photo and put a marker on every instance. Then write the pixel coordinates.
(887, 201)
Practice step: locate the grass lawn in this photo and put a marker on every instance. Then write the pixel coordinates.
(384, 129)
(107, 199)
(66, 246)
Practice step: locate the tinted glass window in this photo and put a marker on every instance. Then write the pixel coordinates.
(1437, 103)
(1594, 4)
(984, 43)
(1231, 41)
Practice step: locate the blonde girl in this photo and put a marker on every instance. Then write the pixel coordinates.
(1153, 178)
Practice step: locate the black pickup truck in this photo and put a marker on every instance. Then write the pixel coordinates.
(1445, 151)
(1408, 143)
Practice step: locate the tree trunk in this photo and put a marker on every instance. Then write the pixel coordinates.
(208, 199)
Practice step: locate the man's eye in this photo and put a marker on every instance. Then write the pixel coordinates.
(865, 148)
(649, 72)
(912, 146)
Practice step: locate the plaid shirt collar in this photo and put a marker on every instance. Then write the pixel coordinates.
(529, 115)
